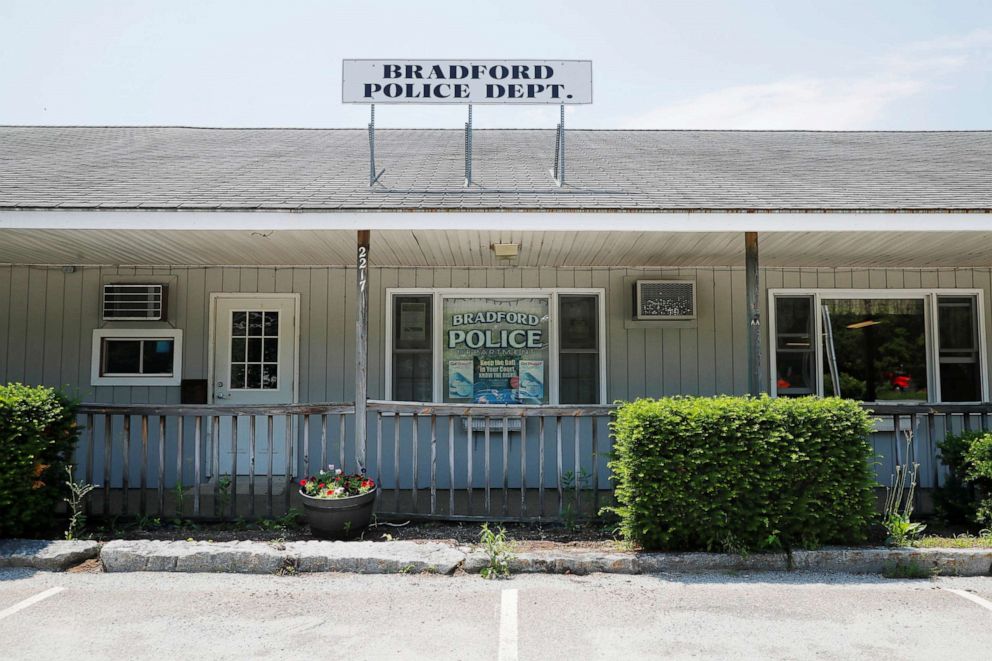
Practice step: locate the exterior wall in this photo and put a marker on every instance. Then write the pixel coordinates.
(47, 318)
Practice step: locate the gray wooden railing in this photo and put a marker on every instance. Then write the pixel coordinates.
(431, 461)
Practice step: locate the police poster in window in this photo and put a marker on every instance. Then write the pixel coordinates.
(496, 350)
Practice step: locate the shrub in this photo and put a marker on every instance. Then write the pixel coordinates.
(979, 472)
(37, 437)
(966, 493)
(741, 474)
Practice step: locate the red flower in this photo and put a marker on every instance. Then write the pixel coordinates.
(321, 485)
(303, 483)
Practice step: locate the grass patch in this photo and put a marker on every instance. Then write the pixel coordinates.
(955, 542)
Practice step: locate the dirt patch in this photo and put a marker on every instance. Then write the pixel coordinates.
(528, 537)
(91, 566)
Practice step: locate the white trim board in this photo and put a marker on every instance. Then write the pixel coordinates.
(564, 221)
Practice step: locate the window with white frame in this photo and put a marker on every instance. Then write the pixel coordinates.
(878, 345)
(129, 357)
(496, 346)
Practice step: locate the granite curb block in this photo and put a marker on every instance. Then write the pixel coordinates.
(268, 558)
(47, 555)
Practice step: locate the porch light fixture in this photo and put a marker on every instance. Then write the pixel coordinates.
(505, 250)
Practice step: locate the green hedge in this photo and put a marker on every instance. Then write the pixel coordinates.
(37, 437)
(966, 493)
(742, 474)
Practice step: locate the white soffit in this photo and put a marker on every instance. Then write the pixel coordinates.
(545, 221)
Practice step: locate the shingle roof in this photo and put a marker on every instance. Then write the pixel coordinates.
(327, 169)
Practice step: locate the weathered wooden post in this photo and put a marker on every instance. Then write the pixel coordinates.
(753, 313)
(362, 348)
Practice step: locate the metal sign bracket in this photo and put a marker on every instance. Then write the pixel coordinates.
(373, 177)
(558, 171)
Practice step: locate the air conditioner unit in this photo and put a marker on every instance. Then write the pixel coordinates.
(127, 302)
(664, 300)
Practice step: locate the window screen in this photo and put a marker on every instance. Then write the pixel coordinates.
(960, 371)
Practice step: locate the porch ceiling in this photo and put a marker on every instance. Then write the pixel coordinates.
(468, 248)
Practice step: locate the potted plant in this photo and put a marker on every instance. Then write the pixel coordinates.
(337, 505)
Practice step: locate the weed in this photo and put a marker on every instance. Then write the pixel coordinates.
(569, 479)
(899, 498)
(178, 492)
(499, 550)
(913, 570)
(223, 493)
(407, 569)
(288, 568)
(77, 492)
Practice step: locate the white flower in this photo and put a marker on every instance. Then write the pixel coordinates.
(338, 471)
(330, 467)
(339, 491)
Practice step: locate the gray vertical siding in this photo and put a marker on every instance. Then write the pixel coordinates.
(47, 317)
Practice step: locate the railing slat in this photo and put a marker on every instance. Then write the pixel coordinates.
(506, 467)
(470, 461)
(578, 466)
(523, 467)
(271, 440)
(488, 499)
(451, 464)
(433, 464)
(161, 466)
(251, 466)
(290, 461)
(415, 440)
(323, 441)
(234, 467)
(559, 466)
(215, 435)
(341, 438)
(197, 449)
(595, 466)
(143, 468)
(306, 445)
(540, 467)
(91, 438)
(396, 461)
(126, 463)
(108, 429)
(378, 448)
(180, 438)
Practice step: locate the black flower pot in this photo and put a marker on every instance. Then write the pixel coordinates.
(339, 518)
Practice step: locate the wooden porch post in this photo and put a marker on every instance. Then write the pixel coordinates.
(753, 313)
(362, 348)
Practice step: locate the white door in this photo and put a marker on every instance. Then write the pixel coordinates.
(255, 341)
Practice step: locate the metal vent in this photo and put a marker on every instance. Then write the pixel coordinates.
(665, 300)
(134, 302)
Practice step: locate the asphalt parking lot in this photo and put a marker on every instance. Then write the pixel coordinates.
(218, 616)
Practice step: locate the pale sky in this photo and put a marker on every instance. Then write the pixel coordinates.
(719, 64)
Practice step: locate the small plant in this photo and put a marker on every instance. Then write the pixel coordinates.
(899, 497)
(568, 480)
(77, 492)
(499, 550)
(178, 492)
(223, 493)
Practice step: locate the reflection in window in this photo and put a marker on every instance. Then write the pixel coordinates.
(960, 374)
(137, 357)
(879, 348)
(794, 348)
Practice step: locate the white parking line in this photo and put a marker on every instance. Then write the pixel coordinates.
(971, 597)
(21, 605)
(508, 626)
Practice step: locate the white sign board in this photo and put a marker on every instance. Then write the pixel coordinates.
(467, 81)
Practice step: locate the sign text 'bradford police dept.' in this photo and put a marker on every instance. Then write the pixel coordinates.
(467, 81)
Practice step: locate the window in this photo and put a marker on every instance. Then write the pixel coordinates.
(412, 365)
(496, 346)
(878, 346)
(136, 357)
